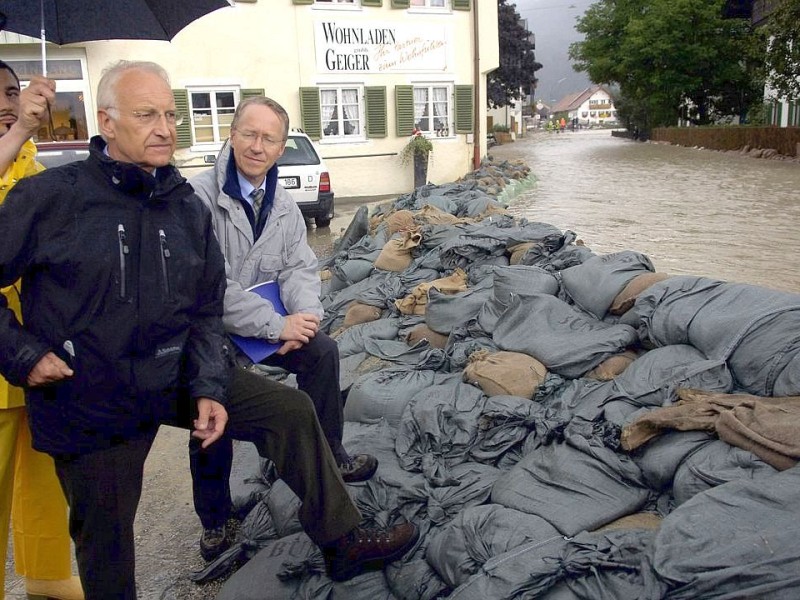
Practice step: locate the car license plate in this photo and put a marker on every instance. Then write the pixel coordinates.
(290, 183)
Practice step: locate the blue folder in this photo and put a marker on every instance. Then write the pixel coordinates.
(257, 349)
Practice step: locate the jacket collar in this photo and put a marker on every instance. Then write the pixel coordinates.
(133, 180)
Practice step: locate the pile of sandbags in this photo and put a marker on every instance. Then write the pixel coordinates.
(558, 423)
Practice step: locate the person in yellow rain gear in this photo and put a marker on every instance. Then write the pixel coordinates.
(30, 494)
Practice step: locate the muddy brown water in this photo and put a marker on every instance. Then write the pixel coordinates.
(692, 211)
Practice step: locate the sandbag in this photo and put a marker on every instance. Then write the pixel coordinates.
(505, 373)
(396, 254)
(384, 394)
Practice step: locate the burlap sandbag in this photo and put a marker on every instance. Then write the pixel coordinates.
(505, 373)
(627, 297)
(423, 332)
(612, 366)
(360, 313)
(517, 251)
(417, 301)
(396, 254)
(401, 220)
(432, 215)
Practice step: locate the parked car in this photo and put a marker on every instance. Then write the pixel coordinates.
(55, 154)
(302, 173)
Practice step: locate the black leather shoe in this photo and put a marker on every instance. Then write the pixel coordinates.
(360, 467)
(214, 542)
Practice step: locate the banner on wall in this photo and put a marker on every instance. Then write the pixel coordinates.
(368, 47)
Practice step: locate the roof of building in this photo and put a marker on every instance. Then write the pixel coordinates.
(574, 101)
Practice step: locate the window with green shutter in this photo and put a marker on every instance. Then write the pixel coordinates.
(375, 110)
(310, 113)
(184, 130)
(404, 109)
(401, 3)
(465, 108)
(461, 4)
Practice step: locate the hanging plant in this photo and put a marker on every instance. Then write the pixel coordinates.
(418, 145)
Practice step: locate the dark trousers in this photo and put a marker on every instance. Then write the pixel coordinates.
(103, 487)
(317, 368)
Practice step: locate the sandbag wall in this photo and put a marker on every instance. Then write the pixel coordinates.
(560, 424)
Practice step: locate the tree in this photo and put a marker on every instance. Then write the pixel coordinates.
(518, 63)
(783, 52)
(670, 59)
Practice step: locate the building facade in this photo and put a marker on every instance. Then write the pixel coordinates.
(592, 106)
(358, 76)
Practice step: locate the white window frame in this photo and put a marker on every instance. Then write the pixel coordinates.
(337, 4)
(427, 8)
(212, 90)
(450, 117)
(343, 137)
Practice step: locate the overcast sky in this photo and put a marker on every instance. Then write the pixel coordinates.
(553, 23)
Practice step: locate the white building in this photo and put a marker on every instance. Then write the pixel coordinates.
(592, 106)
(356, 75)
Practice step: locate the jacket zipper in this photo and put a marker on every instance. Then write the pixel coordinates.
(162, 238)
(124, 250)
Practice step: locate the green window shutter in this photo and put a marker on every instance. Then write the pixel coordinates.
(401, 3)
(461, 4)
(404, 109)
(464, 108)
(310, 112)
(184, 130)
(302, 1)
(371, 2)
(244, 94)
(375, 109)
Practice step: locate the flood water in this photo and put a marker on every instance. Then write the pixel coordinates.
(692, 211)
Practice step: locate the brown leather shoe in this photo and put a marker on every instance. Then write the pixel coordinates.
(367, 549)
(359, 467)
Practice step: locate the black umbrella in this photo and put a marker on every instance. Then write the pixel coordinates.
(68, 21)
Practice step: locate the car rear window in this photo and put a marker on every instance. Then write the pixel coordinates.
(299, 151)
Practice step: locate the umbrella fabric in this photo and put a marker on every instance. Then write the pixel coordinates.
(68, 21)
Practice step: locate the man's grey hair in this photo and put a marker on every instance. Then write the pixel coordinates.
(107, 88)
(263, 101)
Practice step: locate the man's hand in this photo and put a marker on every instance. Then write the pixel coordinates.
(210, 422)
(34, 103)
(287, 347)
(299, 327)
(49, 369)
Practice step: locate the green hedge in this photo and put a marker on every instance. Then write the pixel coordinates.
(786, 140)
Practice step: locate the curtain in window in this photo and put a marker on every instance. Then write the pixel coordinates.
(350, 110)
(328, 107)
(440, 108)
(421, 108)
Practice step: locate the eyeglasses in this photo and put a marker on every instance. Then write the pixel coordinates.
(251, 136)
(149, 117)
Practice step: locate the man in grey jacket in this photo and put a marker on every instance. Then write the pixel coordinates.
(263, 238)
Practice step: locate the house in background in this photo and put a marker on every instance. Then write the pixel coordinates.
(358, 76)
(592, 106)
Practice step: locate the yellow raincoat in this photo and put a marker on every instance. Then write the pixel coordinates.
(41, 536)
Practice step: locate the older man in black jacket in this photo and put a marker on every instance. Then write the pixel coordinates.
(123, 285)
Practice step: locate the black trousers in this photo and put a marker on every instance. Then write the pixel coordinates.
(317, 368)
(103, 487)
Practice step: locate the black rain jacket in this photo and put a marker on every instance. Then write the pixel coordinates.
(122, 277)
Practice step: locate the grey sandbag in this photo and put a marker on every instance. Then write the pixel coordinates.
(559, 337)
(660, 458)
(575, 485)
(292, 567)
(754, 328)
(609, 565)
(514, 280)
(737, 540)
(351, 340)
(384, 394)
(479, 533)
(651, 379)
(594, 284)
(445, 312)
(714, 464)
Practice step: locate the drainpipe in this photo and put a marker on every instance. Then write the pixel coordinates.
(476, 146)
